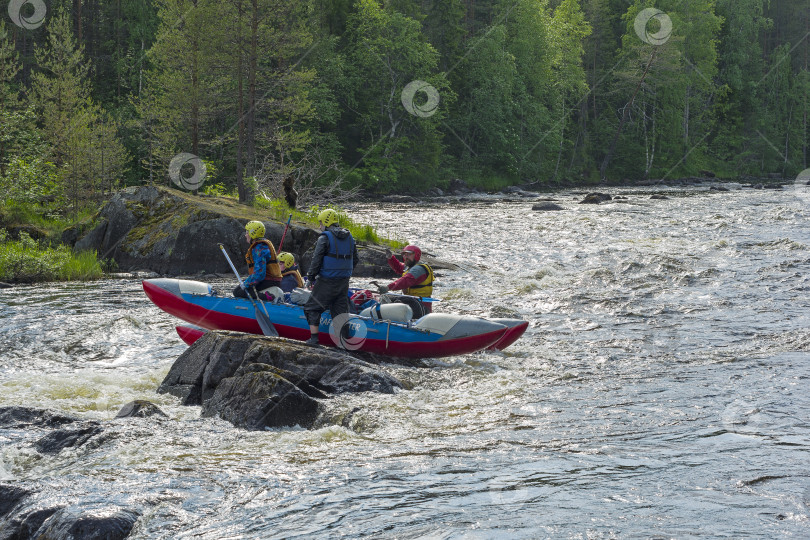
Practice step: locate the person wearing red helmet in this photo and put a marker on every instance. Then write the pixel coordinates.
(417, 277)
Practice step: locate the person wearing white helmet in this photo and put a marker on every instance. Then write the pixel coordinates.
(332, 265)
(263, 269)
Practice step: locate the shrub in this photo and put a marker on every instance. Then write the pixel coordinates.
(25, 261)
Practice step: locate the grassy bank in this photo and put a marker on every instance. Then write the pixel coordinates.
(27, 261)
(280, 211)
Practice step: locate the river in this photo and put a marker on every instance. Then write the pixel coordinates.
(661, 390)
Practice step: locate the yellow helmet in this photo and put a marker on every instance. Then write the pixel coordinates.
(328, 217)
(255, 229)
(287, 258)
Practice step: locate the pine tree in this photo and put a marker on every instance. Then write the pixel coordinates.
(83, 147)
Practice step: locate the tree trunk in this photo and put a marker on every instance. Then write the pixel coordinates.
(240, 144)
(612, 148)
(686, 119)
(118, 47)
(562, 140)
(251, 114)
(77, 10)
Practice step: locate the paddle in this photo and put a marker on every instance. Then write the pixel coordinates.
(263, 318)
(285, 233)
(425, 299)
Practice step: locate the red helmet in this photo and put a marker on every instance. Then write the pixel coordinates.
(417, 253)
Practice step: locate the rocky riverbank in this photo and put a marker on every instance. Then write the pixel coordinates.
(173, 233)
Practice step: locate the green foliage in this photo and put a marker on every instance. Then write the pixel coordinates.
(386, 52)
(29, 181)
(280, 211)
(217, 190)
(87, 155)
(530, 90)
(26, 261)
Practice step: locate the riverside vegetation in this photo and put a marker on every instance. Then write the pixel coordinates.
(35, 241)
(312, 93)
(274, 96)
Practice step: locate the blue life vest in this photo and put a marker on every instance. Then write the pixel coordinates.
(338, 263)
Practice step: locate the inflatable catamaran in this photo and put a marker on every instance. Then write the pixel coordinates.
(387, 331)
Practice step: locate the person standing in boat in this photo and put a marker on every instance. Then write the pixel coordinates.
(290, 276)
(332, 265)
(417, 277)
(263, 269)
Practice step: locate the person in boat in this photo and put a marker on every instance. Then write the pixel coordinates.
(417, 277)
(332, 265)
(264, 271)
(290, 276)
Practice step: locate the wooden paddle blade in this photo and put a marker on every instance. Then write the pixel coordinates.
(264, 323)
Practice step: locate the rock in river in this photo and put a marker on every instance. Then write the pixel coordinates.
(258, 382)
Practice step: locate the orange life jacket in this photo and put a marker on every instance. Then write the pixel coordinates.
(273, 269)
(297, 275)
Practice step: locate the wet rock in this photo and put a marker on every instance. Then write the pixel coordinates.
(140, 409)
(10, 497)
(259, 397)
(5, 285)
(659, 197)
(708, 174)
(718, 188)
(110, 523)
(595, 198)
(26, 524)
(22, 417)
(58, 440)
(545, 206)
(255, 367)
(185, 378)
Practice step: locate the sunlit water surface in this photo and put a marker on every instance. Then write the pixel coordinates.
(662, 389)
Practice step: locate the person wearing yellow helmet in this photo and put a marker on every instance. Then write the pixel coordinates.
(290, 277)
(263, 268)
(333, 262)
(417, 277)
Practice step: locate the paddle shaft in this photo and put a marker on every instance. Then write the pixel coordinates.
(425, 299)
(281, 243)
(262, 318)
(227, 258)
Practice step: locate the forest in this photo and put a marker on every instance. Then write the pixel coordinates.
(395, 96)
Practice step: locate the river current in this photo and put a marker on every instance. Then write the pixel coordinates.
(661, 390)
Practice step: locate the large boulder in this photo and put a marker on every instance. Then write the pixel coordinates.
(140, 408)
(259, 397)
(173, 233)
(70, 437)
(244, 378)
